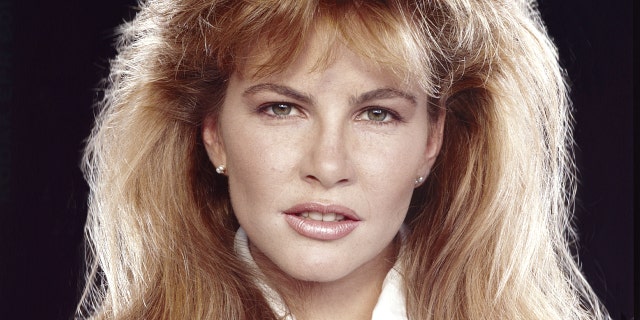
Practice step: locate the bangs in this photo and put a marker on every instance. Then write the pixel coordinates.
(270, 35)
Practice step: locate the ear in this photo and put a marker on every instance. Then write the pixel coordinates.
(434, 143)
(213, 142)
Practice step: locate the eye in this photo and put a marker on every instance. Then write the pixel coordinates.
(377, 114)
(280, 109)
(380, 115)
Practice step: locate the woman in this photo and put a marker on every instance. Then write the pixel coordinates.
(333, 159)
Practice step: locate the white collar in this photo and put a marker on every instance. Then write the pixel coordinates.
(390, 305)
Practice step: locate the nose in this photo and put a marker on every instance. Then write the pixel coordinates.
(328, 161)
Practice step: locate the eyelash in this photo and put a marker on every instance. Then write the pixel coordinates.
(395, 117)
(267, 109)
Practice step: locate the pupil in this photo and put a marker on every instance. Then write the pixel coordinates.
(281, 109)
(377, 114)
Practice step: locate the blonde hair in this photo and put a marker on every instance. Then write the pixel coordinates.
(490, 230)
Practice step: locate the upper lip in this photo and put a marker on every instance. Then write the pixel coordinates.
(322, 208)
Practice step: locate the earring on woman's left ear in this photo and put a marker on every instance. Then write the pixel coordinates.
(419, 180)
(221, 169)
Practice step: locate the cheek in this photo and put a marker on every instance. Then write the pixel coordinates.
(388, 169)
(261, 152)
(259, 166)
(394, 159)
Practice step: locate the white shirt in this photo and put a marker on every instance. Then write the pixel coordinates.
(390, 305)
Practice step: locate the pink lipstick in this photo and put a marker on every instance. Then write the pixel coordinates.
(321, 222)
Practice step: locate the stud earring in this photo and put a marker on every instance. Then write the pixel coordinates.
(419, 180)
(221, 169)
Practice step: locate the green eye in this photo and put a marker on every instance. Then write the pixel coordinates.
(377, 114)
(281, 109)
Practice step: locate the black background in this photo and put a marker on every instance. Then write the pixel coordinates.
(53, 53)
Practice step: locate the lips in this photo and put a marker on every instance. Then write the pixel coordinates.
(321, 222)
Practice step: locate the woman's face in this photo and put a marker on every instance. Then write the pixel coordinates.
(322, 163)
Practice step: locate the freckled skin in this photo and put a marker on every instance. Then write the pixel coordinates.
(321, 141)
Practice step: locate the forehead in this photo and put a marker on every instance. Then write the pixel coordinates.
(317, 60)
(347, 76)
(266, 37)
(321, 50)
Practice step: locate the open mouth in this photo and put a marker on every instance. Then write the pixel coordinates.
(322, 222)
(319, 216)
(322, 213)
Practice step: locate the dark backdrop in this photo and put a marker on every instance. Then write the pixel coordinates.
(53, 53)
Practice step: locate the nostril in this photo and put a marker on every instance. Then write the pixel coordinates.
(327, 168)
(312, 178)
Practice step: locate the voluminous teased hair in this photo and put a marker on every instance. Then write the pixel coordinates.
(489, 231)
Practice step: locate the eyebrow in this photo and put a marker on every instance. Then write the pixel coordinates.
(279, 89)
(382, 93)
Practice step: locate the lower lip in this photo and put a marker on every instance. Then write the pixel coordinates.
(321, 230)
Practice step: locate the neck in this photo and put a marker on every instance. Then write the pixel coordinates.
(351, 297)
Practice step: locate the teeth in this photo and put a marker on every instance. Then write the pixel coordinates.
(329, 217)
(317, 216)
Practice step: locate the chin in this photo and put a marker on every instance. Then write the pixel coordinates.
(316, 271)
(322, 275)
